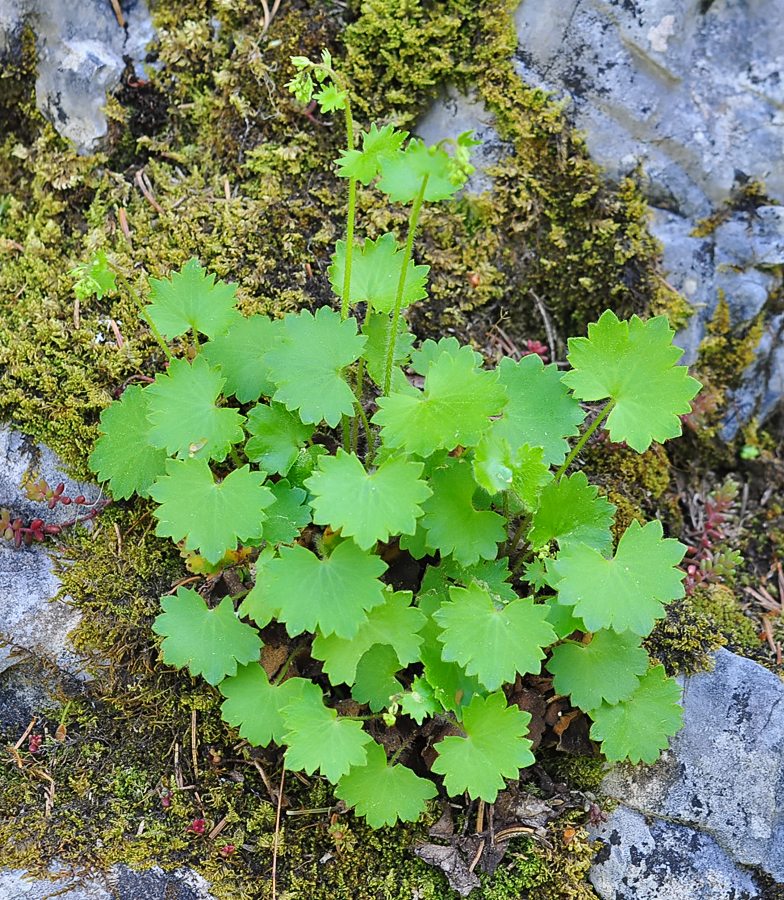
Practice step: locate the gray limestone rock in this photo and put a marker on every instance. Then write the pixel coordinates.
(81, 45)
(644, 859)
(31, 622)
(719, 787)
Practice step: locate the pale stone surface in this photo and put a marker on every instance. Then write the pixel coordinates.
(30, 621)
(655, 860)
(81, 46)
(712, 807)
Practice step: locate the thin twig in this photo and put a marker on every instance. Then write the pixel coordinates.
(30, 727)
(267, 785)
(118, 13)
(277, 835)
(548, 327)
(194, 746)
(146, 188)
(480, 817)
(218, 828)
(478, 856)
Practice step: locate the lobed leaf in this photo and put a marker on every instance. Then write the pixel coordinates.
(210, 517)
(185, 420)
(495, 747)
(404, 172)
(493, 643)
(394, 622)
(633, 363)
(318, 739)
(627, 592)
(571, 513)
(375, 682)
(607, 669)
(240, 352)
(330, 595)
(540, 411)
(191, 299)
(375, 274)
(382, 793)
(454, 409)
(637, 729)
(287, 515)
(365, 164)
(308, 361)
(123, 454)
(277, 436)
(367, 506)
(210, 642)
(453, 525)
(420, 702)
(254, 705)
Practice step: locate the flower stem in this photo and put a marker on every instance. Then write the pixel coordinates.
(581, 443)
(412, 226)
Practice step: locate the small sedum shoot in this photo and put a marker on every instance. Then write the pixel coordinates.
(302, 445)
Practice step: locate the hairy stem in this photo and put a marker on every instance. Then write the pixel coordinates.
(145, 315)
(581, 443)
(509, 549)
(412, 226)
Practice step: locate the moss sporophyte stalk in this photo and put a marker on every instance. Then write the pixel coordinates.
(301, 447)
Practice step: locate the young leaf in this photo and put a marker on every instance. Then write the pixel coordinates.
(210, 642)
(367, 507)
(453, 525)
(94, 277)
(330, 98)
(305, 463)
(455, 407)
(307, 363)
(318, 739)
(375, 679)
(122, 453)
(287, 515)
(638, 728)
(493, 644)
(240, 355)
(191, 299)
(420, 702)
(377, 329)
(277, 436)
(570, 512)
(633, 363)
(364, 165)
(184, 418)
(382, 793)
(210, 517)
(395, 622)
(606, 669)
(540, 412)
(495, 747)
(331, 595)
(375, 274)
(562, 620)
(625, 592)
(254, 705)
(403, 173)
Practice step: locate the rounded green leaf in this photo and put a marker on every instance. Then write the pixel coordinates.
(625, 592)
(122, 453)
(607, 669)
(495, 747)
(375, 680)
(570, 512)
(210, 642)
(637, 729)
(491, 641)
(254, 705)
(240, 352)
(277, 437)
(367, 506)
(210, 517)
(307, 364)
(383, 793)
(633, 363)
(330, 595)
(184, 417)
(191, 299)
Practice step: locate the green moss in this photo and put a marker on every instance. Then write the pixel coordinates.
(684, 640)
(718, 603)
